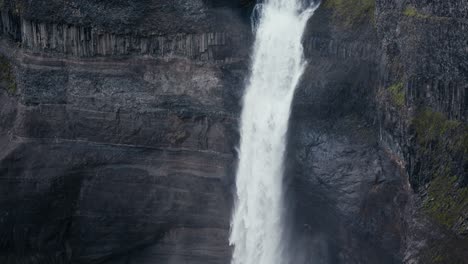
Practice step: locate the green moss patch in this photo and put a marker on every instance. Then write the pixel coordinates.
(445, 201)
(451, 250)
(442, 150)
(351, 12)
(411, 11)
(432, 127)
(7, 77)
(397, 93)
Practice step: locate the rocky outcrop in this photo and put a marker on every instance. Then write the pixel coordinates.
(348, 195)
(423, 118)
(119, 126)
(118, 146)
(398, 69)
(86, 41)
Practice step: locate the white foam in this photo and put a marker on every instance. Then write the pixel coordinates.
(257, 225)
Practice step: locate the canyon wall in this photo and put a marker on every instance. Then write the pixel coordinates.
(119, 131)
(396, 72)
(117, 143)
(422, 105)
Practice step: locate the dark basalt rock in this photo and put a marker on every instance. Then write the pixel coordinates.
(115, 152)
(118, 128)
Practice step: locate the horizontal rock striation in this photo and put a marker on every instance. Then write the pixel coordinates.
(118, 146)
(106, 157)
(119, 126)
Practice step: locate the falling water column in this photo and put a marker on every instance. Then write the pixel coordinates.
(257, 225)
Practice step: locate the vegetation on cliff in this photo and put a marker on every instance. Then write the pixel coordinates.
(443, 147)
(397, 93)
(7, 77)
(349, 13)
(411, 11)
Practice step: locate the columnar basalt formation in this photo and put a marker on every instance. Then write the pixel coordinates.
(119, 127)
(115, 142)
(84, 41)
(413, 90)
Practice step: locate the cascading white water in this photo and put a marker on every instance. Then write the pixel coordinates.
(257, 225)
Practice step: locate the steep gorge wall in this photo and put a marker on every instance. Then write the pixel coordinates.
(119, 124)
(413, 90)
(117, 134)
(348, 197)
(423, 112)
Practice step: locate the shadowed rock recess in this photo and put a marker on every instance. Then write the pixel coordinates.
(119, 128)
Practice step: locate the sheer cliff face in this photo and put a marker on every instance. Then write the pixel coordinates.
(117, 130)
(396, 69)
(422, 105)
(119, 126)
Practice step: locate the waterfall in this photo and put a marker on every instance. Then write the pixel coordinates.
(257, 227)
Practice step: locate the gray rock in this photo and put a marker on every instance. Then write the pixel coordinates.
(117, 139)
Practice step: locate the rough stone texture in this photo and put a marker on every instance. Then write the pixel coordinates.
(119, 127)
(424, 51)
(89, 41)
(348, 196)
(357, 62)
(117, 145)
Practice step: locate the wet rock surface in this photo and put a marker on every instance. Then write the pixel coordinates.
(348, 196)
(119, 127)
(357, 105)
